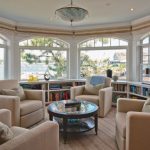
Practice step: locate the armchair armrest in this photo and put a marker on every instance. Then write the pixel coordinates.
(127, 104)
(105, 101)
(13, 104)
(76, 90)
(44, 136)
(137, 130)
(5, 116)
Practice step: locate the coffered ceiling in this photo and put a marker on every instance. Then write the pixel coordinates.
(101, 12)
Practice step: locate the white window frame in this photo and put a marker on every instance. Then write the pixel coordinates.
(5, 47)
(45, 48)
(141, 46)
(104, 48)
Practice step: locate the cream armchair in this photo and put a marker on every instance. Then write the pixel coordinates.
(24, 112)
(43, 137)
(103, 98)
(132, 125)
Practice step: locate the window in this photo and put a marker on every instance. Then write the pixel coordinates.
(99, 54)
(145, 59)
(41, 54)
(3, 49)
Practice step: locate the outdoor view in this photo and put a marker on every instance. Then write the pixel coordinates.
(97, 55)
(1, 63)
(39, 55)
(48, 56)
(96, 62)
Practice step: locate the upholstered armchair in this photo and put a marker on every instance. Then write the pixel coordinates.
(43, 137)
(97, 90)
(27, 108)
(132, 125)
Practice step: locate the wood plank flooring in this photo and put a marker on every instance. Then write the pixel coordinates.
(105, 140)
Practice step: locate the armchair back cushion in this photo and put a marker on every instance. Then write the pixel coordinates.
(92, 89)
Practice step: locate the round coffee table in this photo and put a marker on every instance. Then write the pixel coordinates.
(74, 116)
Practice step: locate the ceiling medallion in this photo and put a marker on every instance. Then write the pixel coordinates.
(71, 13)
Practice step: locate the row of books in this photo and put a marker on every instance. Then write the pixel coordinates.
(119, 87)
(146, 91)
(135, 89)
(79, 83)
(31, 86)
(56, 96)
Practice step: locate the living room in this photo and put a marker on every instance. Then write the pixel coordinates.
(94, 60)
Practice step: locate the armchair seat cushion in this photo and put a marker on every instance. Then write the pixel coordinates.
(18, 130)
(121, 123)
(29, 106)
(90, 98)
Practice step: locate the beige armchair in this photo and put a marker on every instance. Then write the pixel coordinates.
(24, 112)
(132, 125)
(43, 137)
(103, 97)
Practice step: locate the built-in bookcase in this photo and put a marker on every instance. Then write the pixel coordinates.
(54, 90)
(125, 89)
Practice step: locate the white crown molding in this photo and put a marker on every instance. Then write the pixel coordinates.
(140, 20)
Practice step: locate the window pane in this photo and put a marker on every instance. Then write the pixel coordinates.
(145, 41)
(106, 41)
(36, 62)
(2, 41)
(114, 42)
(83, 44)
(98, 42)
(1, 63)
(23, 43)
(90, 43)
(96, 62)
(123, 43)
(145, 55)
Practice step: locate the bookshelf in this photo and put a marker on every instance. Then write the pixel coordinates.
(119, 90)
(55, 90)
(127, 89)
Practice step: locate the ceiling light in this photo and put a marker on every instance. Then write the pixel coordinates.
(132, 9)
(71, 13)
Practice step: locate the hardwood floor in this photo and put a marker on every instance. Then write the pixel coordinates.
(105, 140)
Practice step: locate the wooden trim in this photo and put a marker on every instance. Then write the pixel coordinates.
(141, 26)
(7, 26)
(110, 30)
(43, 30)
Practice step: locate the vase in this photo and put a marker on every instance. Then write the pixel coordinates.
(47, 75)
(115, 78)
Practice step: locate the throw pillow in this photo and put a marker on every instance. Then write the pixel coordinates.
(14, 92)
(5, 133)
(92, 90)
(20, 92)
(146, 106)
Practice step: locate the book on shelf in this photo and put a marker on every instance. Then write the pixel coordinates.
(120, 87)
(135, 89)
